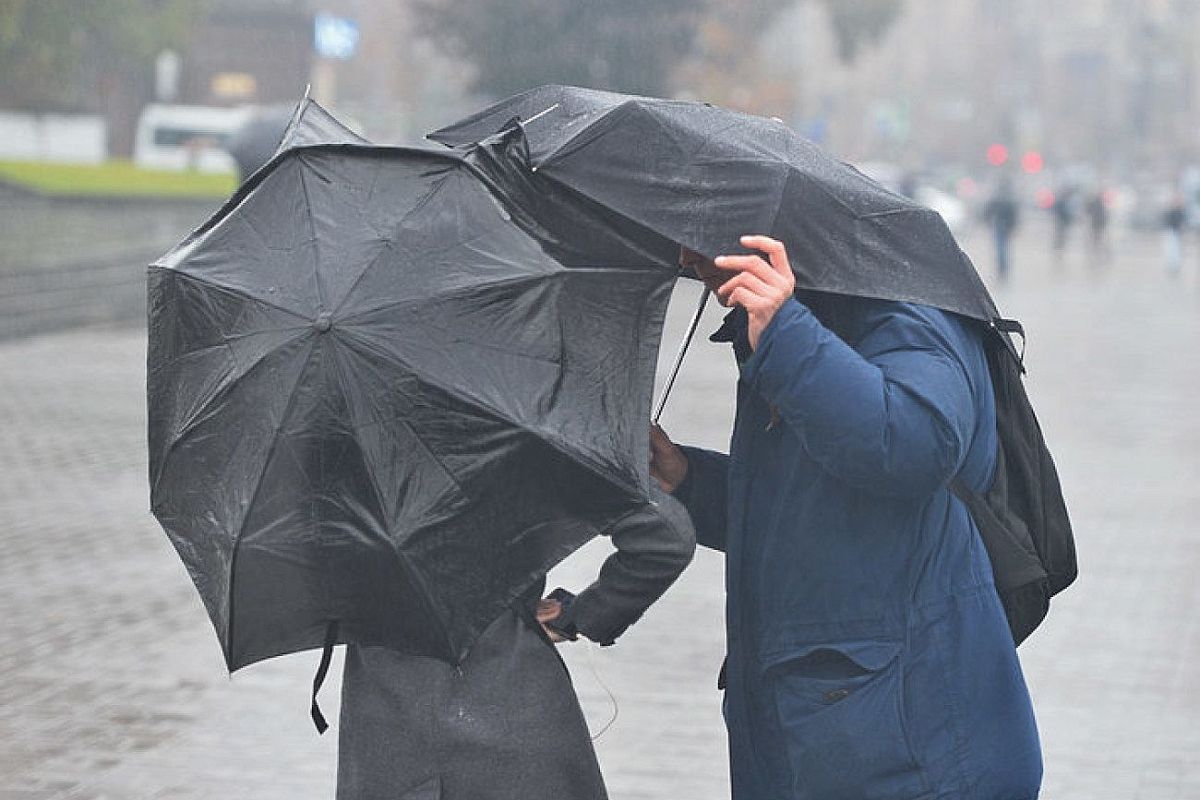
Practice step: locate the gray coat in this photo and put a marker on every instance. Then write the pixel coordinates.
(507, 723)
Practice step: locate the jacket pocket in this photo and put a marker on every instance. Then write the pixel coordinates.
(839, 710)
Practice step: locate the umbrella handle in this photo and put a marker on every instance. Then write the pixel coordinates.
(687, 340)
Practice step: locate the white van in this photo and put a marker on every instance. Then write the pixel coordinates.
(187, 137)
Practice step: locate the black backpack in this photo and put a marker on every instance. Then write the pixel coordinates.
(1022, 518)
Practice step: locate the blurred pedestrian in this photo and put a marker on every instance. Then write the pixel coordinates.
(1174, 219)
(869, 655)
(1096, 209)
(1063, 211)
(1003, 213)
(505, 724)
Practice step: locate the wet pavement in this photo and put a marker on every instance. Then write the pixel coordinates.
(112, 683)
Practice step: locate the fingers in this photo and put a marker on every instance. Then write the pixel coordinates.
(660, 442)
(755, 304)
(752, 283)
(547, 610)
(775, 251)
(668, 463)
(758, 287)
(754, 265)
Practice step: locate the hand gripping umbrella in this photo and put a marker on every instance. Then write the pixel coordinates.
(703, 176)
(378, 410)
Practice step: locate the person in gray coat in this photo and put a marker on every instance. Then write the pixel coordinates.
(506, 723)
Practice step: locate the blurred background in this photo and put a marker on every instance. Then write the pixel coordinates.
(1060, 142)
(1082, 114)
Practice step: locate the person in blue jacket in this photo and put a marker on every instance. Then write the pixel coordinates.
(868, 653)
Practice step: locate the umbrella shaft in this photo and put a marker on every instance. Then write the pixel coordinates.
(687, 340)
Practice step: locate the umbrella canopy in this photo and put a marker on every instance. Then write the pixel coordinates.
(376, 401)
(702, 176)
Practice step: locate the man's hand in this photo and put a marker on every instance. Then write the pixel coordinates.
(759, 287)
(668, 464)
(547, 611)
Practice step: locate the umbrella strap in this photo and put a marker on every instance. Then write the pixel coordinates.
(331, 634)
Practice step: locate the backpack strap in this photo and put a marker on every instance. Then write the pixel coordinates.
(1003, 327)
(1017, 570)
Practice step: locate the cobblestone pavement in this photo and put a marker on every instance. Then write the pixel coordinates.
(112, 684)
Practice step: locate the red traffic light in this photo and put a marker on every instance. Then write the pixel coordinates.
(997, 154)
(1032, 162)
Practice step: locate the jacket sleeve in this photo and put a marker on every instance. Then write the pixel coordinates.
(703, 493)
(894, 416)
(654, 543)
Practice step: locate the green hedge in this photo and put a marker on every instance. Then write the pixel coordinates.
(115, 179)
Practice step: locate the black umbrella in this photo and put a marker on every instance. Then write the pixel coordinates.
(702, 176)
(378, 409)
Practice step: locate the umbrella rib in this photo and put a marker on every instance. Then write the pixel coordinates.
(588, 133)
(225, 342)
(312, 230)
(257, 488)
(913, 209)
(421, 203)
(242, 293)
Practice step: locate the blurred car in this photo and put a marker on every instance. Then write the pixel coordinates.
(187, 137)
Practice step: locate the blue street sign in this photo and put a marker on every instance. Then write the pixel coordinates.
(335, 37)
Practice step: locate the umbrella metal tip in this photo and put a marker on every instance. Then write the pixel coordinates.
(323, 322)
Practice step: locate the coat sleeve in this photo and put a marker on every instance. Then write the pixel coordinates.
(893, 416)
(703, 493)
(654, 543)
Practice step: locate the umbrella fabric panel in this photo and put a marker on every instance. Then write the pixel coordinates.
(610, 356)
(911, 256)
(265, 251)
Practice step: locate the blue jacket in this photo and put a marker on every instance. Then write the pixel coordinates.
(868, 653)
